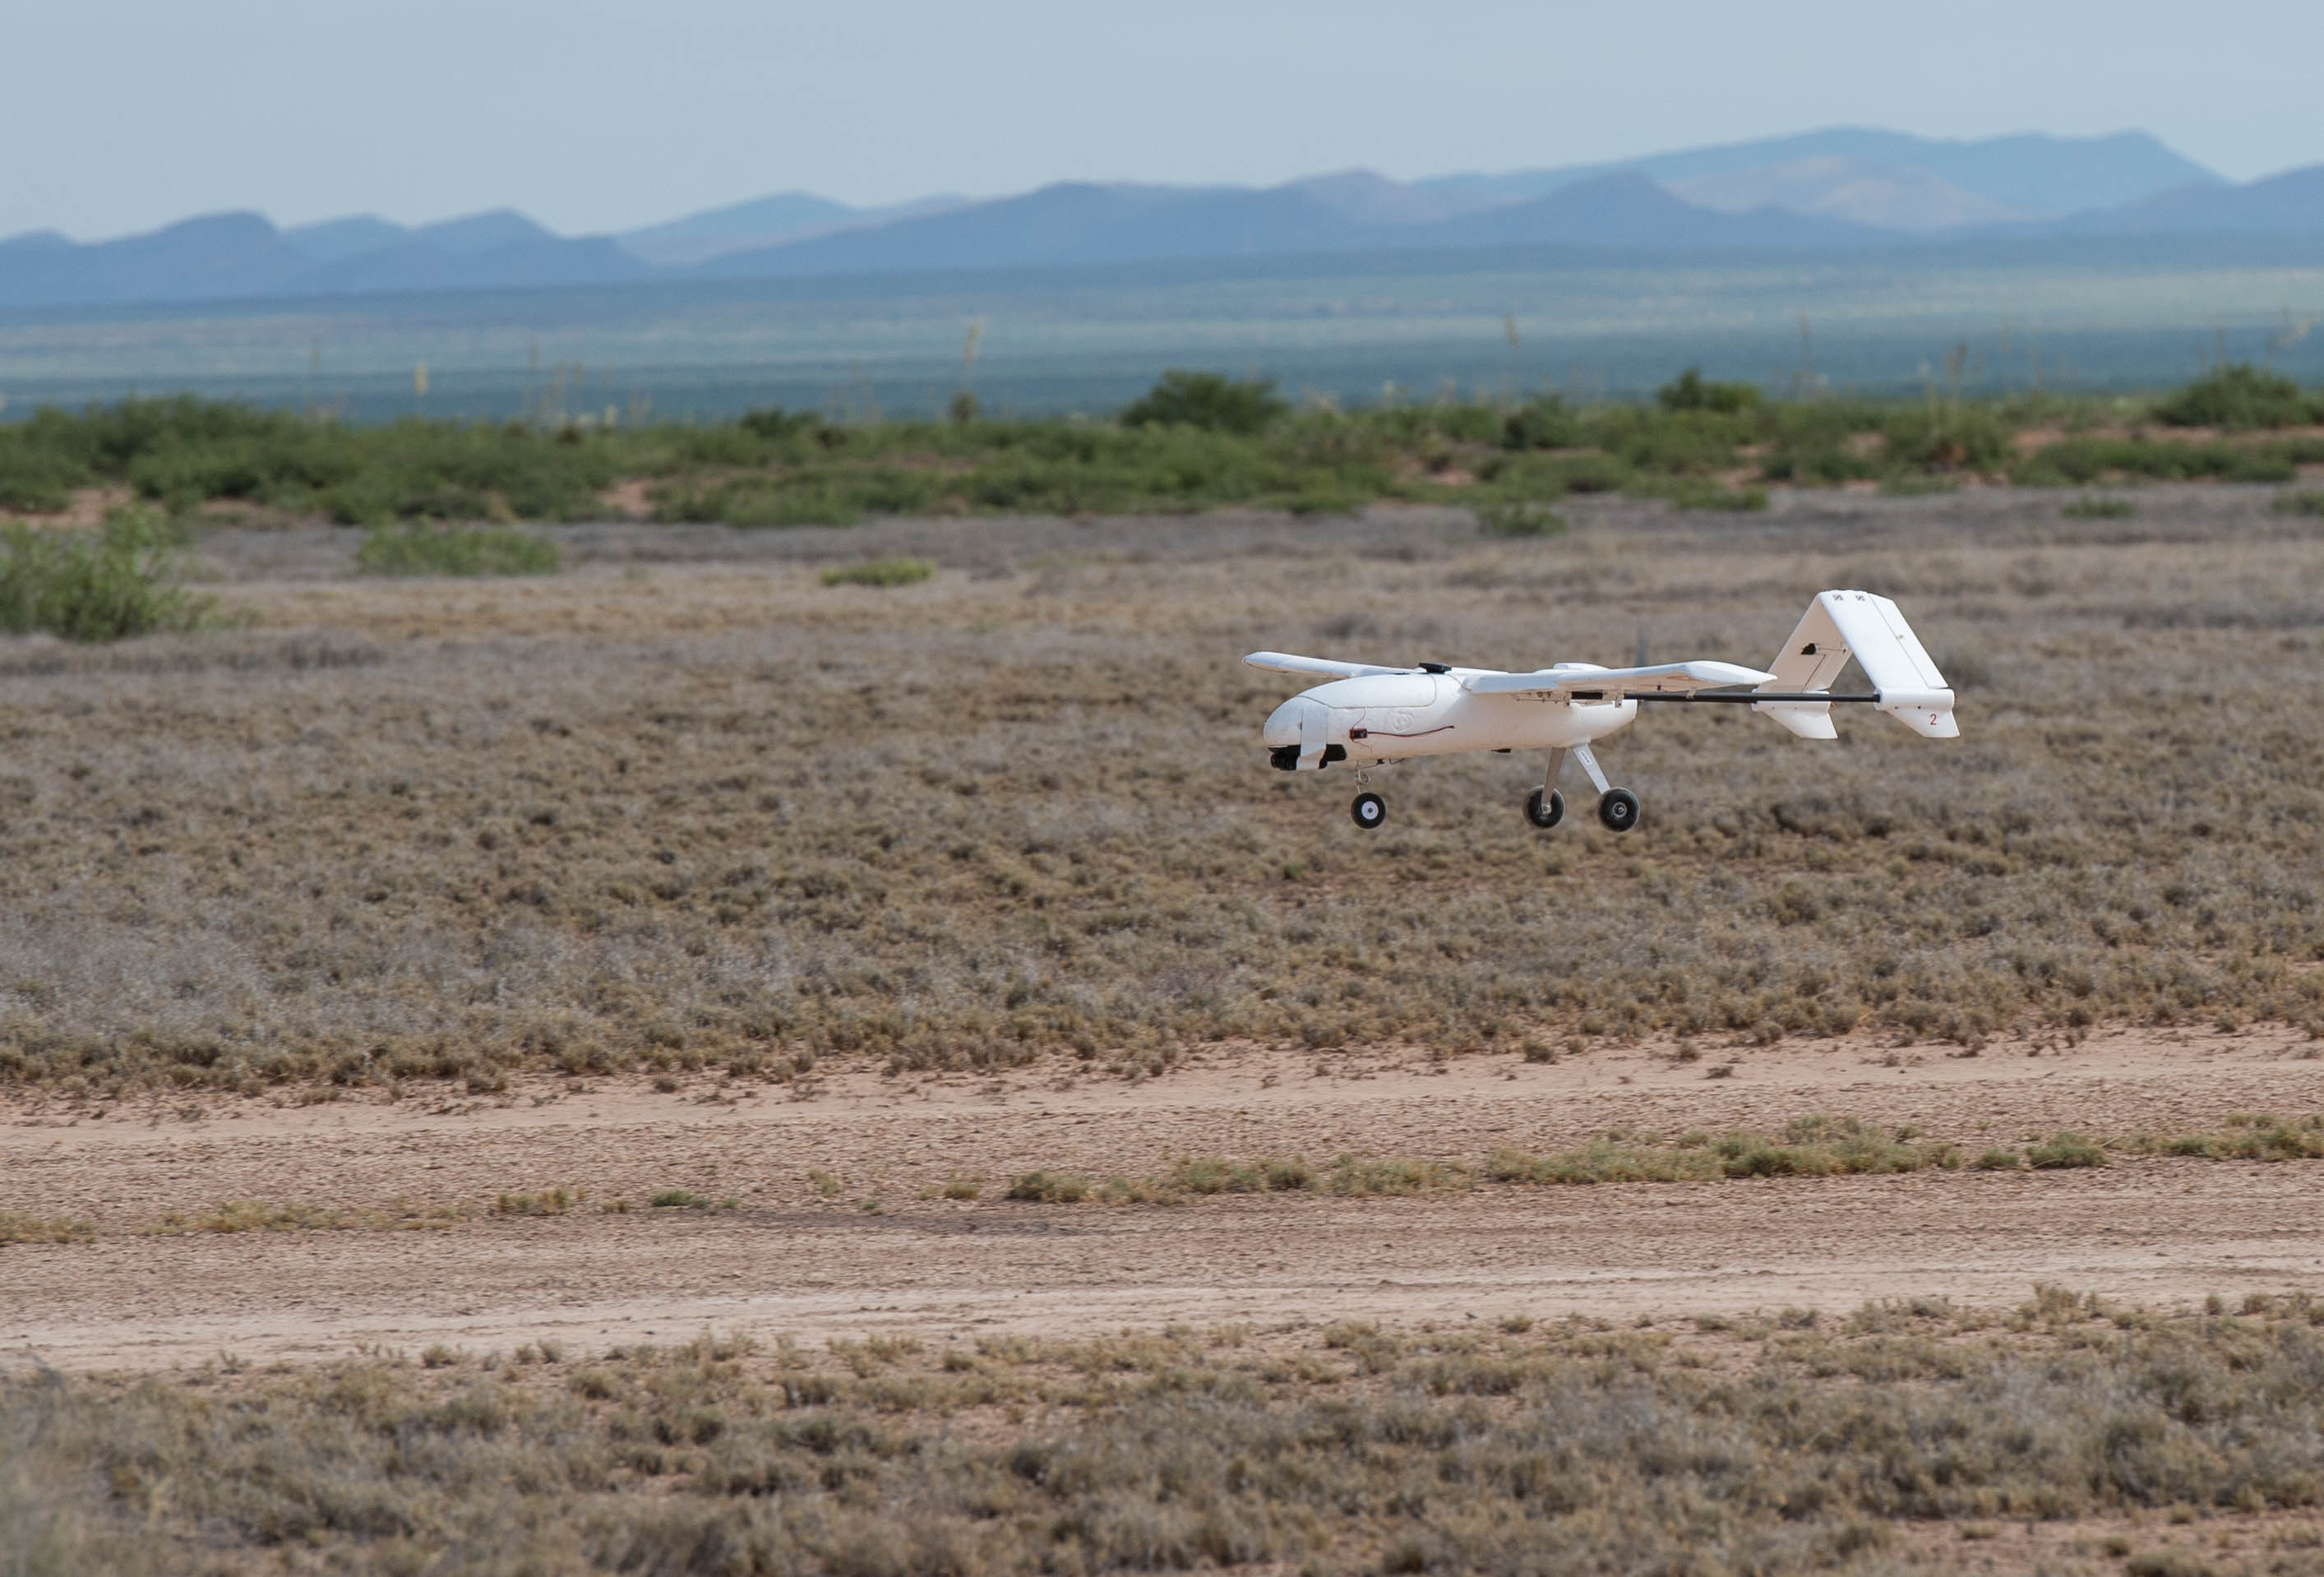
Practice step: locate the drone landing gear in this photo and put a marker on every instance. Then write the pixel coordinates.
(1369, 809)
(1618, 808)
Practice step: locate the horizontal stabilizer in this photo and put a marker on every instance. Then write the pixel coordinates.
(1840, 624)
(1582, 679)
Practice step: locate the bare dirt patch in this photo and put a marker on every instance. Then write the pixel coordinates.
(801, 1252)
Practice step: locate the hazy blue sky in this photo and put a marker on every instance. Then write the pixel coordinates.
(121, 114)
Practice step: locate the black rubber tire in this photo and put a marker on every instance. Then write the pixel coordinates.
(1369, 811)
(1618, 808)
(1545, 818)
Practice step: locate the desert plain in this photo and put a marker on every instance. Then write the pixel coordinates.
(471, 981)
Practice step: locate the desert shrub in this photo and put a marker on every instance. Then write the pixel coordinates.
(1050, 1187)
(1395, 1175)
(547, 1201)
(1816, 1448)
(183, 450)
(774, 422)
(1807, 1147)
(818, 495)
(31, 1229)
(1669, 443)
(2308, 501)
(458, 550)
(119, 580)
(1539, 475)
(1694, 493)
(881, 572)
(1209, 401)
(2088, 508)
(2078, 462)
(1947, 436)
(1518, 517)
(2064, 1150)
(1813, 464)
(35, 480)
(1211, 1174)
(2240, 395)
(1689, 392)
(1606, 1161)
(2245, 1139)
(1542, 422)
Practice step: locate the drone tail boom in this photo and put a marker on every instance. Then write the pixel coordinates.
(1840, 624)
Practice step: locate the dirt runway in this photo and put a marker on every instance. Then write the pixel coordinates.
(837, 1226)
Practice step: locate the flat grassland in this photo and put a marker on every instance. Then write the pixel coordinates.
(468, 995)
(717, 814)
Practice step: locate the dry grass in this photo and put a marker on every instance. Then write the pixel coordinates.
(2246, 1137)
(1778, 1444)
(724, 817)
(258, 1215)
(34, 1229)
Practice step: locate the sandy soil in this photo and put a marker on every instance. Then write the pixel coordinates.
(789, 1258)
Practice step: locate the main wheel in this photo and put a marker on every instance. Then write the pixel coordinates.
(1619, 809)
(1544, 816)
(1369, 811)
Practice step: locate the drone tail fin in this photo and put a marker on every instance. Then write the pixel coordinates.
(1840, 624)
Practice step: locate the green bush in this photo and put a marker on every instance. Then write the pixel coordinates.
(775, 422)
(1695, 493)
(2087, 508)
(1050, 1188)
(34, 480)
(879, 572)
(2240, 395)
(1812, 465)
(2064, 1150)
(1947, 436)
(463, 550)
(1688, 391)
(1542, 422)
(2308, 502)
(119, 580)
(1209, 401)
(2079, 462)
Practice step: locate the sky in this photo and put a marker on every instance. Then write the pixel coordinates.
(120, 115)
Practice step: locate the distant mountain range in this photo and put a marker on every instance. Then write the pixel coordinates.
(1841, 189)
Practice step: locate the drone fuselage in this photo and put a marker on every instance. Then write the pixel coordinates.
(1367, 715)
(1391, 717)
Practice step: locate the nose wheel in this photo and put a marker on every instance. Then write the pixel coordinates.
(1367, 811)
(1548, 812)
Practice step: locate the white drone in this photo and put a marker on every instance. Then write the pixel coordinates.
(1377, 717)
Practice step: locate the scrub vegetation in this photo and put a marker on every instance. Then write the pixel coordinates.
(419, 549)
(721, 817)
(119, 580)
(1196, 441)
(2089, 1436)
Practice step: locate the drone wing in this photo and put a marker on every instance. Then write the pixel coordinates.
(1580, 681)
(1321, 668)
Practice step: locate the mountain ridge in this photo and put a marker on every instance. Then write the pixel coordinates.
(1845, 189)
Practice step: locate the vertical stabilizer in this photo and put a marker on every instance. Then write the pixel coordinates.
(1840, 624)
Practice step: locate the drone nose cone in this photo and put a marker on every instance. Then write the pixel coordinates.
(1283, 724)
